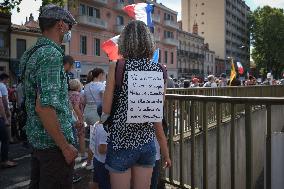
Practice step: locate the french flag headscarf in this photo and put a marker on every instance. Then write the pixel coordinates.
(139, 11)
(142, 12)
(240, 68)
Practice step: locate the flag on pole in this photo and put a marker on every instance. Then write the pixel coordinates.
(142, 12)
(233, 72)
(240, 68)
(111, 48)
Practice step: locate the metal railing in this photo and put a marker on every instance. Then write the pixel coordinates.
(252, 91)
(182, 118)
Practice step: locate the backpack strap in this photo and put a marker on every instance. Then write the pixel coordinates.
(30, 53)
(119, 72)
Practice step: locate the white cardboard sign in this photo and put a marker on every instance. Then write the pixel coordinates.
(145, 96)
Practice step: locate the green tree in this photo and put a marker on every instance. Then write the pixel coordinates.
(267, 34)
(8, 5)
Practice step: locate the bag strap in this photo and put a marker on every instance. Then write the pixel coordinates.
(119, 72)
(30, 53)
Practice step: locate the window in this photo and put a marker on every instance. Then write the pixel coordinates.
(119, 20)
(83, 44)
(97, 47)
(82, 10)
(202, 32)
(21, 47)
(97, 13)
(166, 57)
(91, 11)
(202, 13)
(167, 16)
(160, 56)
(202, 3)
(172, 58)
(168, 34)
(2, 44)
(202, 22)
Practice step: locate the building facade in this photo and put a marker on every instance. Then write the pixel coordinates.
(22, 38)
(191, 55)
(209, 62)
(5, 25)
(219, 66)
(223, 24)
(100, 20)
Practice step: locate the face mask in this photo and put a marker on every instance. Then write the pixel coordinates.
(67, 37)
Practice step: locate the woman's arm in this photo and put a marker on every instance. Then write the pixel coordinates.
(110, 86)
(162, 140)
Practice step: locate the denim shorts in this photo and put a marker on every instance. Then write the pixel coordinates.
(101, 175)
(121, 160)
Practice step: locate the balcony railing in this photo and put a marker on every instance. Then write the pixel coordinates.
(4, 52)
(156, 18)
(157, 38)
(171, 24)
(92, 21)
(118, 28)
(102, 2)
(171, 41)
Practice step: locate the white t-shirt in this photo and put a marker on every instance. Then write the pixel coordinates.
(3, 89)
(98, 136)
(158, 154)
(92, 92)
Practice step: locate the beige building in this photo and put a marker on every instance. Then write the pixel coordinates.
(223, 24)
(22, 38)
(190, 54)
(5, 24)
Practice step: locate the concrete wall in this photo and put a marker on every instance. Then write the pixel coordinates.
(259, 129)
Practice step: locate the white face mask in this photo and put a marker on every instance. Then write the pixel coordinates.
(67, 37)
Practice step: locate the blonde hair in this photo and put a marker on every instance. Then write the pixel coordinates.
(75, 85)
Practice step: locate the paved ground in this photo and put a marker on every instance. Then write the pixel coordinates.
(18, 177)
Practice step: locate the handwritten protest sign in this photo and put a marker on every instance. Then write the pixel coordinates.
(145, 96)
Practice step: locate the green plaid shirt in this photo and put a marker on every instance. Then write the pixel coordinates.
(43, 73)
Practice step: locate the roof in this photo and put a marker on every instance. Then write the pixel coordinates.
(190, 34)
(25, 28)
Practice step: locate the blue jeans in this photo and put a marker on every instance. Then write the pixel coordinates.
(155, 175)
(123, 159)
(4, 138)
(101, 175)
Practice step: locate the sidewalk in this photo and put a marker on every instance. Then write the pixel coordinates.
(19, 177)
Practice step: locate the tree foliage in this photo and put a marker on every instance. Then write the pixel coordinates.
(8, 5)
(267, 29)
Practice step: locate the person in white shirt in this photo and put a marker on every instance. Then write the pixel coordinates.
(4, 80)
(211, 82)
(98, 147)
(4, 137)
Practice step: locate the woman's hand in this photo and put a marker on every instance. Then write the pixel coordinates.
(168, 162)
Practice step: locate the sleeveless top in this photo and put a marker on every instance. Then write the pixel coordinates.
(124, 135)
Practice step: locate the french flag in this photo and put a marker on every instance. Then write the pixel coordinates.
(240, 68)
(142, 12)
(111, 48)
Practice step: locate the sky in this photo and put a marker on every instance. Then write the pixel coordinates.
(32, 6)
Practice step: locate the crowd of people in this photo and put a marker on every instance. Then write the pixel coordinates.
(222, 81)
